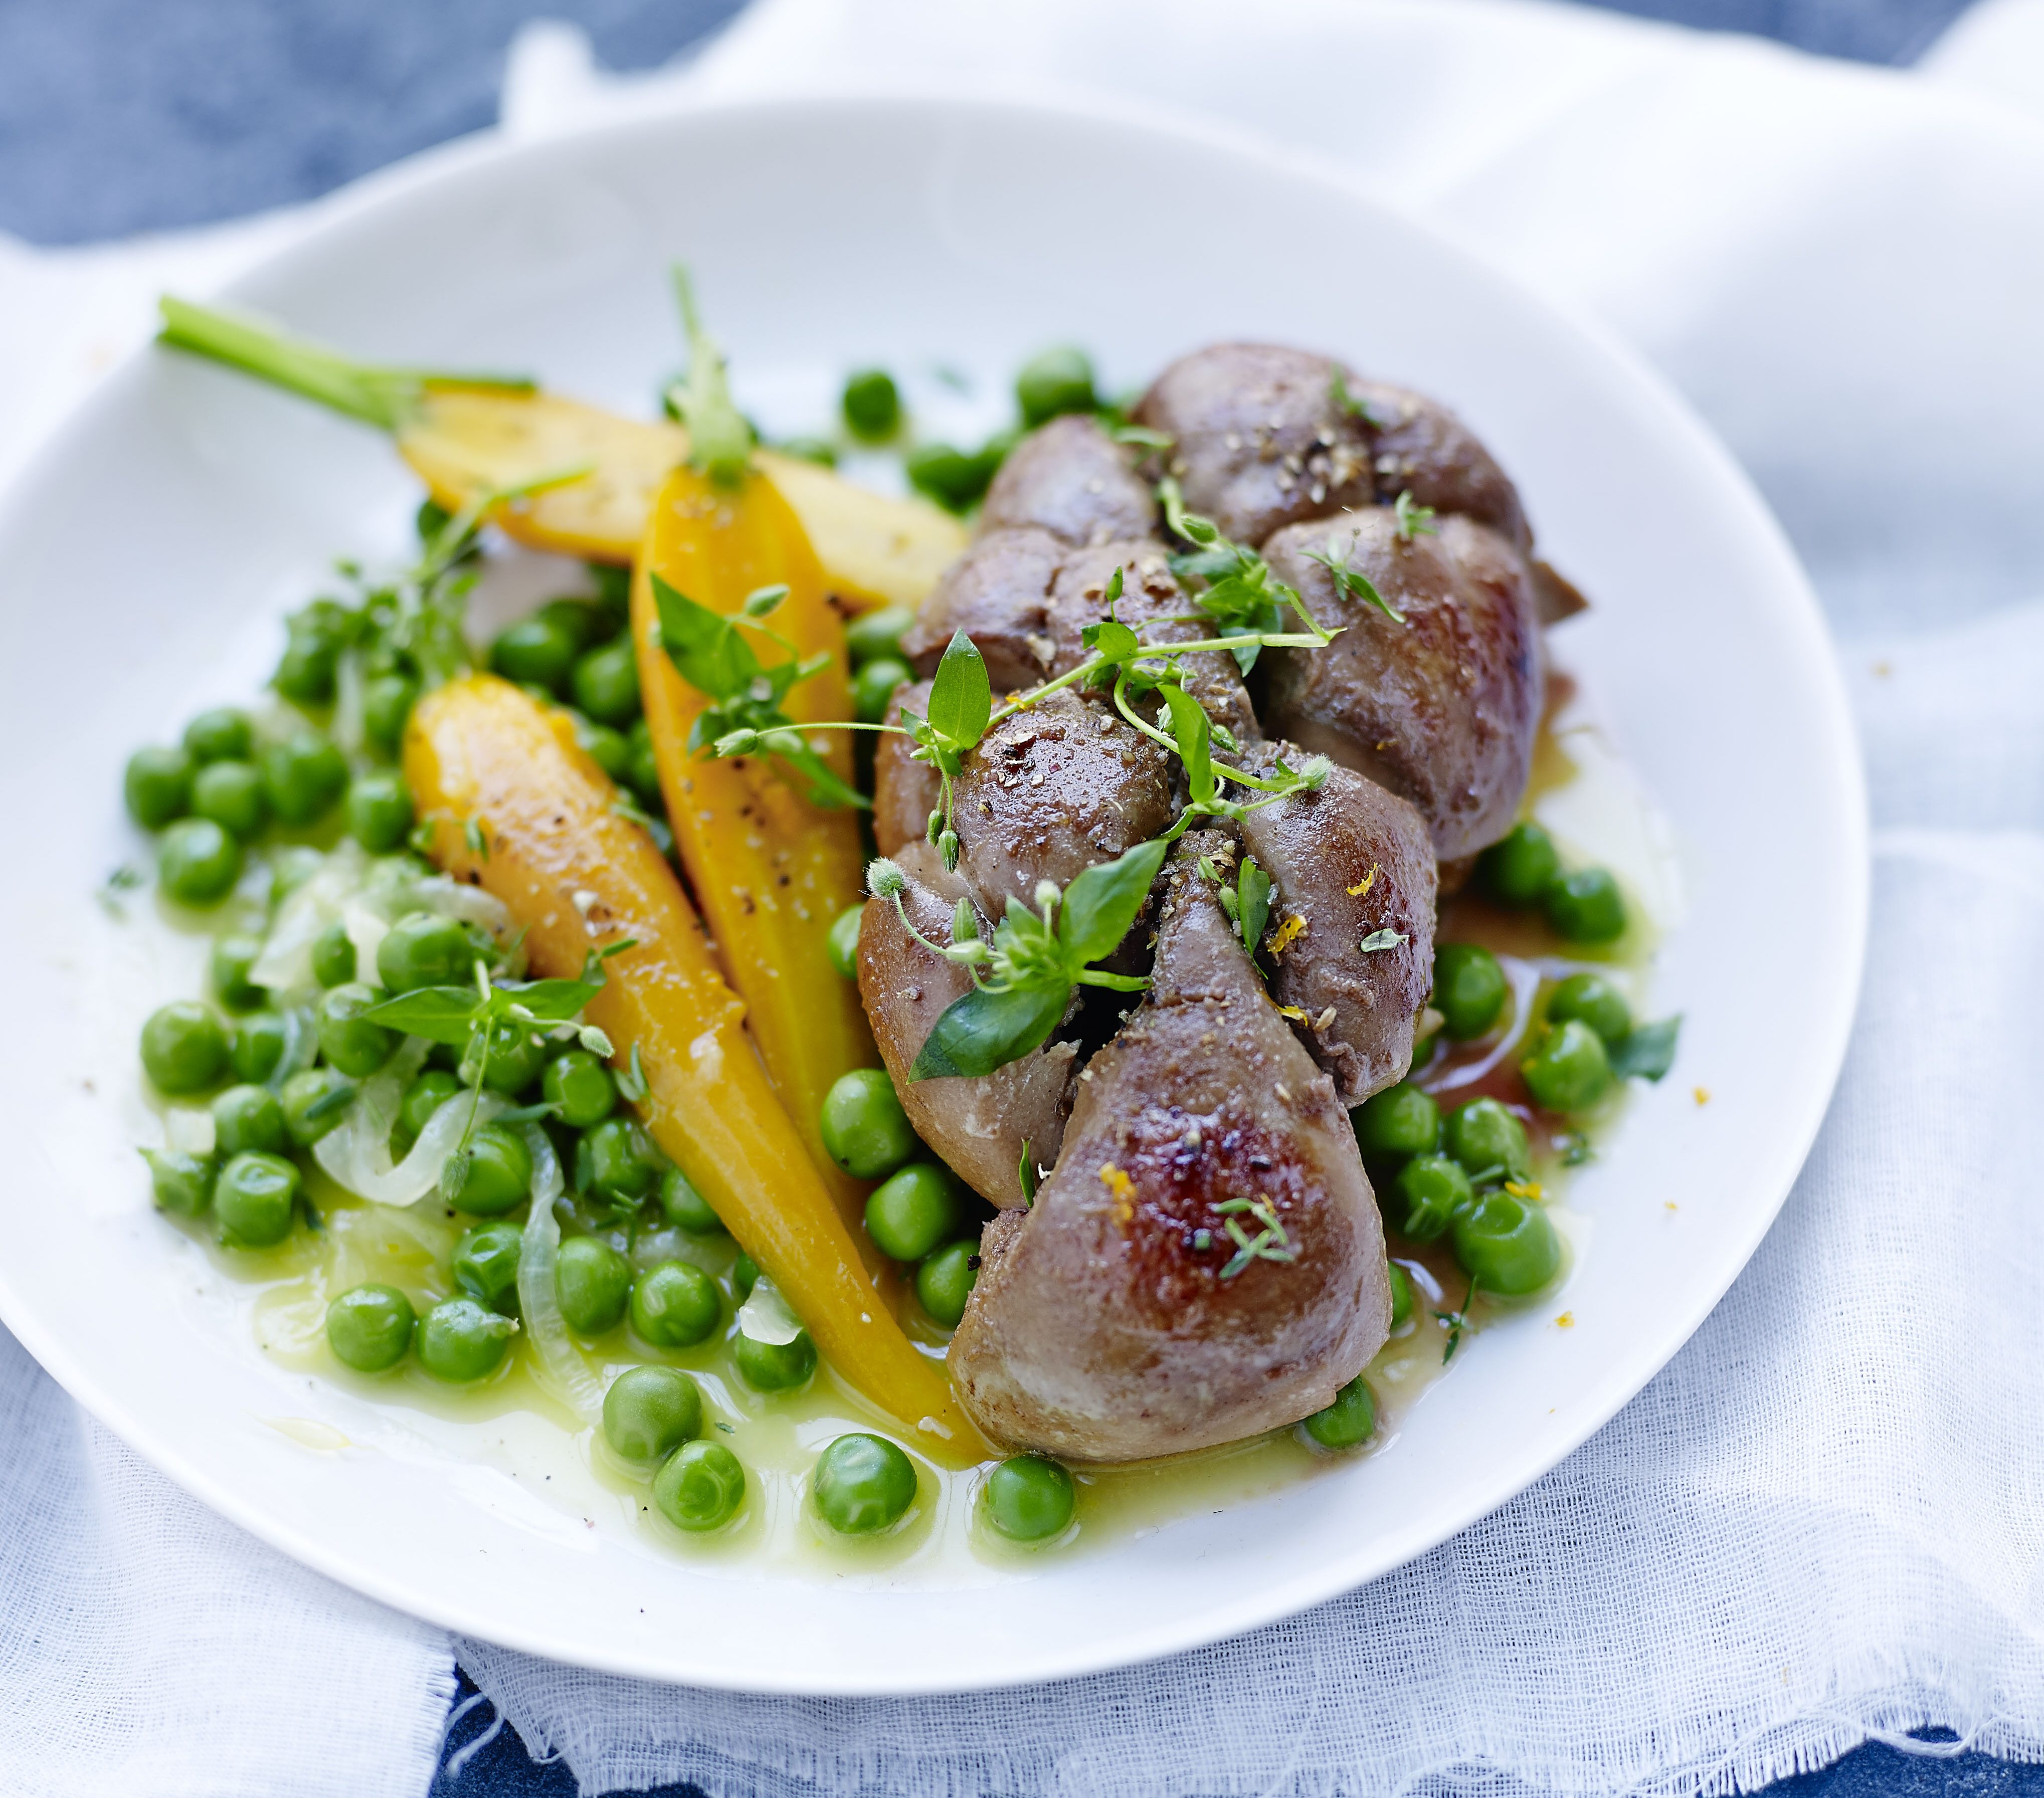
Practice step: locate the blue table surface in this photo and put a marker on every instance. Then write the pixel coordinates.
(120, 116)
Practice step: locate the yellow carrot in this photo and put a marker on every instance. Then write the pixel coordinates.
(771, 871)
(489, 767)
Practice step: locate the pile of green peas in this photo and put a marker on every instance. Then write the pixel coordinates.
(1450, 1178)
(1057, 380)
(1523, 871)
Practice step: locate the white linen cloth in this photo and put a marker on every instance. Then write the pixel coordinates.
(1822, 1522)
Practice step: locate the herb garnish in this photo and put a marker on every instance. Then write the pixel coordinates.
(1353, 581)
(1240, 593)
(1413, 519)
(1649, 1051)
(1270, 1243)
(719, 440)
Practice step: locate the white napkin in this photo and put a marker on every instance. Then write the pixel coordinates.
(1821, 1522)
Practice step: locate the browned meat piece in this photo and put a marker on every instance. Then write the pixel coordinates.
(904, 791)
(1071, 479)
(1050, 792)
(1260, 440)
(978, 1127)
(1422, 446)
(998, 592)
(1024, 599)
(1348, 862)
(1102, 1328)
(1442, 708)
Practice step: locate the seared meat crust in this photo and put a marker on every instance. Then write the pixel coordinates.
(977, 1126)
(904, 791)
(1345, 863)
(1098, 1330)
(1071, 479)
(1441, 709)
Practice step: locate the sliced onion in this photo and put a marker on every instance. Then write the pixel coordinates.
(765, 1316)
(357, 1152)
(285, 964)
(565, 1370)
(189, 1129)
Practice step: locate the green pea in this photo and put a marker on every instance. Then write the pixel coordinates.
(379, 812)
(701, 1486)
(874, 686)
(157, 786)
(253, 1199)
(485, 1264)
(1516, 870)
(255, 1047)
(844, 941)
(349, 1041)
(312, 651)
(227, 972)
(1596, 1002)
(1507, 1245)
(609, 750)
(863, 1483)
(184, 1048)
(946, 1279)
(606, 683)
(616, 1161)
(649, 1411)
(913, 1211)
(775, 1367)
(1469, 990)
(591, 1284)
(1585, 906)
(370, 1327)
(199, 862)
(955, 479)
(248, 1117)
(1401, 1295)
(304, 776)
(231, 794)
(224, 734)
(686, 1208)
(313, 1102)
(675, 1304)
(1425, 1195)
(583, 619)
(744, 1277)
(499, 1175)
(872, 406)
(642, 769)
(425, 1095)
(1350, 1420)
(386, 704)
(538, 649)
(580, 1088)
(424, 950)
(1483, 1135)
(181, 1184)
(1055, 381)
(516, 1057)
(819, 450)
(1401, 1121)
(865, 1130)
(1027, 1498)
(460, 1342)
(1570, 1071)
(334, 960)
(876, 635)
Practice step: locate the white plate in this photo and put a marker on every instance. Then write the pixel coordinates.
(143, 565)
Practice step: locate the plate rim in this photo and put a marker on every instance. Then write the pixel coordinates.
(1600, 1400)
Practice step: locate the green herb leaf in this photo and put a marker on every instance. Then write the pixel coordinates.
(1353, 403)
(981, 1031)
(763, 601)
(706, 647)
(1252, 888)
(1413, 519)
(1379, 939)
(1193, 734)
(1025, 1174)
(440, 1014)
(961, 696)
(1649, 1051)
(1353, 581)
(1101, 905)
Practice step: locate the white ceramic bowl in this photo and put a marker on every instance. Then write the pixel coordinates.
(143, 563)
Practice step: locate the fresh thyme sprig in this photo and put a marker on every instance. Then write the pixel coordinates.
(475, 1018)
(1271, 1243)
(1239, 591)
(1022, 980)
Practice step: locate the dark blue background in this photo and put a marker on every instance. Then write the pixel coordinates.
(119, 116)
